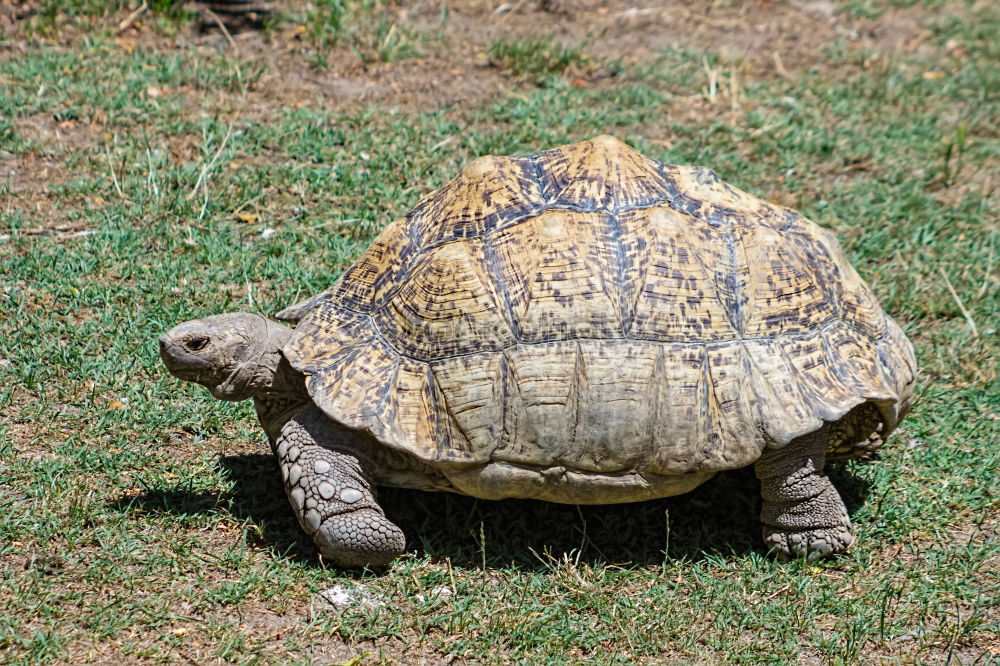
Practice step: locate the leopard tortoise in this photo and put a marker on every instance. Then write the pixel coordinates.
(581, 325)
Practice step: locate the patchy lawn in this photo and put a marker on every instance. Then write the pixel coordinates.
(165, 173)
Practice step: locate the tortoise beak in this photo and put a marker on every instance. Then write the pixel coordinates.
(172, 355)
(168, 351)
(180, 362)
(165, 343)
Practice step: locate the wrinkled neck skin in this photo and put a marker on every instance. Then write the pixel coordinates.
(287, 395)
(278, 390)
(264, 375)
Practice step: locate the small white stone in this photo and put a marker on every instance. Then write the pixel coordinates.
(312, 519)
(441, 591)
(350, 495)
(326, 490)
(437, 592)
(321, 466)
(361, 596)
(338, 595)
(268, 233)
(298, 496)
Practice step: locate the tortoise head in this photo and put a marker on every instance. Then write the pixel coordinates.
(235, 356)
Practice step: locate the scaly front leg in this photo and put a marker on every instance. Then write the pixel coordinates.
(332, 494)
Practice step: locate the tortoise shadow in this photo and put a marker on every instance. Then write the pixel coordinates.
(719, 517)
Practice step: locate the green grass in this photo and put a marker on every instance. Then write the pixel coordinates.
(364, 26)
(535, 58)
(141, 520)
(53, 18)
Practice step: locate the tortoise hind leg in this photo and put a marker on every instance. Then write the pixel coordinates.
(332, 495)
(803, 514)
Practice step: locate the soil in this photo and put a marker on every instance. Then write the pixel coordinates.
(765, 39)
(758, 39)
(768, 38)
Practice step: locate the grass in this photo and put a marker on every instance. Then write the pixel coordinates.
(535, 58)
(141, 520)
(52, 18)
(364, 26)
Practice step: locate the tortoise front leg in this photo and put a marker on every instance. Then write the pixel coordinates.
(332, 495)
(803, 515)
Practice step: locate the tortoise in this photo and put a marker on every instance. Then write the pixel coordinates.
(580, 325)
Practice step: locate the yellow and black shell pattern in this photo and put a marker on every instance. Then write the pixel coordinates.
(593, 311)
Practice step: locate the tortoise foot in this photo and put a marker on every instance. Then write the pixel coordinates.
(362, 538)
(809, 544)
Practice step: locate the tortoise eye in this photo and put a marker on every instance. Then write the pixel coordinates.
(197, 344)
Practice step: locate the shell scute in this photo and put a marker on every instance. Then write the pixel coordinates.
(448, 304)
(378, 271)
(328, 333)
(899, 368)
(425, 428)
(354, 387)
(780, 407)
(490, 192)
(855, 299)
(850, 352)
(699, 192)
(786, 293)
(821, 379)
(734, 437)
(670, 271)
(569, 405)
(472, 388)
(559, 272)
(602, 173)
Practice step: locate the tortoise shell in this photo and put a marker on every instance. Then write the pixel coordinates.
(587, 317)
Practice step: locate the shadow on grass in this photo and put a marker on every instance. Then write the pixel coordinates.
(721, 516)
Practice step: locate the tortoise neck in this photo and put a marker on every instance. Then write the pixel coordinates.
(255, 365)
(274, 378)
(278, 389)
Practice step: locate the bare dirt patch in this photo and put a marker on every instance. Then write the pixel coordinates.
(282, 69)
(452, 69)
(413, 85)
(774, 36)
(30, 176)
